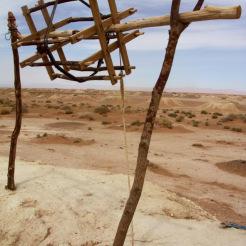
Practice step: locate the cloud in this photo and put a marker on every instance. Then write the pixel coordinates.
(204, 38)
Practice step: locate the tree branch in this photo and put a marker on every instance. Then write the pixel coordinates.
(175, 12)
(142, 160)
(198, 5)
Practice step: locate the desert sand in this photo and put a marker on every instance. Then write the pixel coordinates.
(71, 169)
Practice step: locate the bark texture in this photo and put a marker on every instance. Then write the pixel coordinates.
(17, 82)
(142, 161)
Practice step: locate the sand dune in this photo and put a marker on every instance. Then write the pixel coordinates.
(170, 102)
(225, 107)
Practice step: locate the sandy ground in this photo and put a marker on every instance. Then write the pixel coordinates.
(61, 206)
(66, 138)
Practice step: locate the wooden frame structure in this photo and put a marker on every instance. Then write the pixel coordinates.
(105, 28)
(58, 39)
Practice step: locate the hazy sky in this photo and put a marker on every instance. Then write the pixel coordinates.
(210, 55)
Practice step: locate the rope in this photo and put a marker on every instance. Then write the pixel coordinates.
(122, 92)
(7, 36)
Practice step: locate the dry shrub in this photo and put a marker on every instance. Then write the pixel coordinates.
(136, 123)
(166, 123)
(104, 109)
(5, 111)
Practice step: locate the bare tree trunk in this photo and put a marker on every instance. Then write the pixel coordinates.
(12, 154)
(142, 161)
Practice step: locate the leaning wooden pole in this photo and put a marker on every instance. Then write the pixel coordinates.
(17, 82)
(177, 27)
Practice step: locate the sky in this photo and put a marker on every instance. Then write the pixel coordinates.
(211, 55)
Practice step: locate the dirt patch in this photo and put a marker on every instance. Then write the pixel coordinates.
(61, 139)
(130, 128)
(198, 145)
(176, 129)
(223, 142)
(29, 203)
(164, 172)
(67, 125)
(237, 167)
(90, 243)
(225, 186)
(221, 211)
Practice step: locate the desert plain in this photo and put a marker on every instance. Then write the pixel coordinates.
(71, 169)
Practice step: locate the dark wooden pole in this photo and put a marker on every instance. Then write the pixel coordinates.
(142, 161)
(17, 82)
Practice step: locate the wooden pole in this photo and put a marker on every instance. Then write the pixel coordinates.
(17, 82)
(177, 28)
(208, 13)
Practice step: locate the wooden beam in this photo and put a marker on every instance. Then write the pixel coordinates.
(75, 66)
(33, 30)
(38, 42)
(38, 56)
(100, 77)
(103, 40)
(54, 34)
(85, 34)
(60, 37)
(94, 69)
(45, 5)
(38, 34)
(123, 50)
(82, 19)
(106, 24)
(208, 13)
(48, 21)
(112, 47)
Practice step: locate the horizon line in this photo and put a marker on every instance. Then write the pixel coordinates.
(131, 88)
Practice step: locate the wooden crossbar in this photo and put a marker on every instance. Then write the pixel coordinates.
(103, 40)
(38, 34)
(208, 13)
(45, 5)
(123, 50)
(84, 34)
(112, 47)
(100, 77)
(33, 30)
(75, 66)
(106, 25)
(48, 21)
(61, 37)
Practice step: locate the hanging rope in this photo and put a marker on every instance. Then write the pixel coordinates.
(123, 109)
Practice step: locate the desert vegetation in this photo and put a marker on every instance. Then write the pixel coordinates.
(47, 104)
